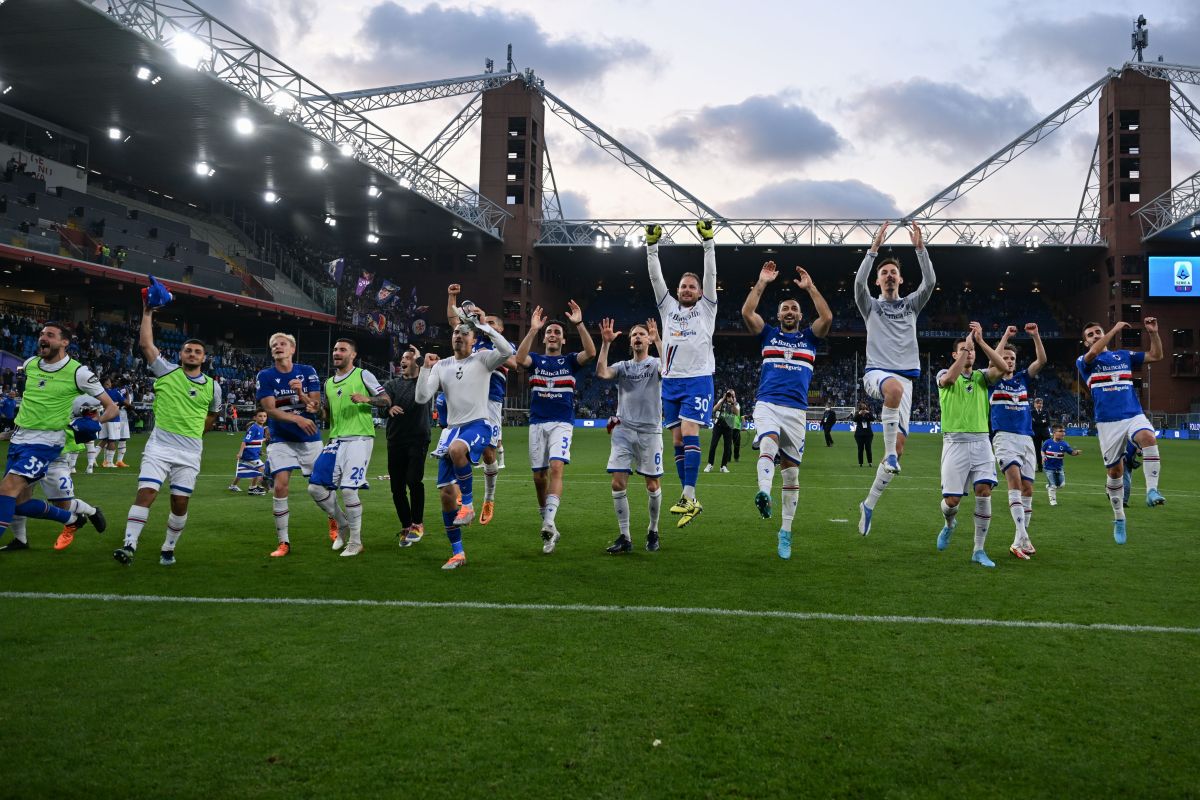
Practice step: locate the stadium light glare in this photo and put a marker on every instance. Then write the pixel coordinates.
(317, 163)
(190, 51)
(346, 149)
(372, 239)
(244, 126)
(282, 101)
(270, 196)
(373, 191)
(143, 73)
(6, 89)
(456, 233)
(330, 221)
(204, 170)
(405, 183)
(114, 134)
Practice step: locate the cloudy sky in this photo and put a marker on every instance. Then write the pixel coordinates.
(773, 109)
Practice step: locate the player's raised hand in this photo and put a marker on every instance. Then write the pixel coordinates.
(768, 273)
(880, 235)
(976, 331)
(607, 334)
(1010, 331)
(538, 320)
(1151, 324)
(1032, 328)
(652, 328)
(804, 281)
(574, 312)
(1122, 325)
(430, 360)
(915, 236)
(454, 290)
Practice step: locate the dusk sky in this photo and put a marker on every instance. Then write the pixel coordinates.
(771, 109)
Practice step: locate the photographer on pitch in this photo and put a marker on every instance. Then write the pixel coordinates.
(727, 413)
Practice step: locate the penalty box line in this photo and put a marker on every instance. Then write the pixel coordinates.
(797, 616)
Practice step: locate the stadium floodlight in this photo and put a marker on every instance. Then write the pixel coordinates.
(143, 73)
(282, 101)
(270, 196)
(405, 183)
(456, 233)
(346, 149)
(372, 239)
(373, 191)
(7, 88)
(330, 221)
(316, 162)
(114, 134)
(190, 51)
(602, 242)
(204, 170)
(244, 126)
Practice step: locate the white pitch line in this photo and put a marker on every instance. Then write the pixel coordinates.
(799, 616)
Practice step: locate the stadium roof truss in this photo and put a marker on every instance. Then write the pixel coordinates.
(236, 61)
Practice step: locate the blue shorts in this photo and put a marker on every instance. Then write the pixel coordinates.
(477, 434)
(31, 461)
(688, 399)
(1055, 477)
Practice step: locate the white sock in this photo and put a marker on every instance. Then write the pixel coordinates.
(81, 507)
(280, 507)
(767, 449)
(654, 505)
(72, 460)
(791, 495)
(949, 512)
(1017, 510)
(1052, 493)
(890, 417)
(134, 524)
(551, 507)
(621, 506)
(1027, 502)
(327, 500)
(108, 457)
(490, 471)
(1115, 488)
(1151, 463)
(17, 526)
(174, 530)
(121, 447)
(353, 515)
(92, 452)
(689, 492)
(882, 479)
(499, 456)
(983, 518)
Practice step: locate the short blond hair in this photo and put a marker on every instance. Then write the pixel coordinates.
(287, 336)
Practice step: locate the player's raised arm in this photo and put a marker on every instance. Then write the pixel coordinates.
(655, 339)
(996, 366)
(653, 234)
(1100, 344)
(824, 321)
(427, 382)
(862, 278)
(452, 293)
(960, 363)
(1039, 349)
(536, 323)
(750, 316)
(1155, 353)
(146, 337)
(501, 350)
(608, 334)
(575, 317)
(709, 285)
(928, 277)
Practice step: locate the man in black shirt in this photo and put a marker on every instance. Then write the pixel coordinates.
(408, 444)
(1041, 429)
(827, 422)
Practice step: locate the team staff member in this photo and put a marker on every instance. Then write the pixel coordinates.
(407, 447)
(1041, 429)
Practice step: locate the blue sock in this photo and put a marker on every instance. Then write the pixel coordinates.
(691, 460)
(679, 461)
(453, 532)
(463, 477)
(8, 507)
(43, 510)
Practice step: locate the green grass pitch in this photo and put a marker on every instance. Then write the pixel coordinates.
(178, 699)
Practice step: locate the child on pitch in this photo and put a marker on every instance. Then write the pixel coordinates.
(1054, 451)
(249, 458)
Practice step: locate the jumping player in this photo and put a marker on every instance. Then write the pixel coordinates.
(1119, 417)
(688, 322)
(781, 406)
(893, 360)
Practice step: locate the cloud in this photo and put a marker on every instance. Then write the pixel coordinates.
(257, 19)
(399, 44)
(801, 198)
(763, 129)
(575, 205)
(947, 117)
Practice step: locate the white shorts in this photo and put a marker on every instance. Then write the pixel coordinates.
(351, 460)
(443, 444)
(966, 463)
(164, 467)
(636, 451)
(496, 420)
(286, 456)
(549, 441)
(124, 425)
(1016, 448)
(789, 424)
(873, 380)
(112, 430)
(58, 485)
(1114, 436)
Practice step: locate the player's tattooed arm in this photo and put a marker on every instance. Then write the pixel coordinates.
(452, 293)
(1155, 353)
(750, 316)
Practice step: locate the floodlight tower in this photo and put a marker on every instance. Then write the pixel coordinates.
(1140, 38)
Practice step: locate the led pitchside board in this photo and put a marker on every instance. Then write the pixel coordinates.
(1174, 276)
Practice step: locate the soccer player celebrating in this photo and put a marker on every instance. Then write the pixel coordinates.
(893, 360)
(290, 393)
(186, 402)
(1012, 421)
(1119, 417)
(464, 379)
(52, 382)
(967, 458)
(636, 430)
(781, 406)
(249, 457)
(113, 430)
(349, 397)
(688, 322)
(552, 409)
(1054, 451)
